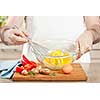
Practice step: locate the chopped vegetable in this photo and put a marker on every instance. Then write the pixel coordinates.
(24, 72)
(19, 69)
(28, 66)
(31, 73)
(25, 61)
(45, 71)
(35, 70)
(39, 67)
(33, 63)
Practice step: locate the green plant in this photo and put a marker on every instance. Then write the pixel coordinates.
(3, 20)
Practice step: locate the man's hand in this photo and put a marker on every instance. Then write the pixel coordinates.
(14, 37)
(84, 43)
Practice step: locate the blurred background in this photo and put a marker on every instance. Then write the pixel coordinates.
(14, 52)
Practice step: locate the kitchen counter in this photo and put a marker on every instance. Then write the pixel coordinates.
(92, 70)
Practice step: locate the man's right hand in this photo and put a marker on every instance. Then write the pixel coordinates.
(14, 37)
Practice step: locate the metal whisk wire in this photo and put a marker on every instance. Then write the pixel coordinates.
(39, 50)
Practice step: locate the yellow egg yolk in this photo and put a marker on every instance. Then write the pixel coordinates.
(58, 61)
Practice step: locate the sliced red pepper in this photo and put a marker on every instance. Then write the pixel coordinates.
(27, 63)
(23, 63)
(25, 59)
(19, 69)
(34, 64)
(28, 67)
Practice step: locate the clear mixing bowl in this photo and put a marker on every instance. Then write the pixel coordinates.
(60, 52)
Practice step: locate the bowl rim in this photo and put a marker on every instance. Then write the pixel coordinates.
(70, 54)
(69, 40)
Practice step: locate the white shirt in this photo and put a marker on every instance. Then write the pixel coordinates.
(55, 27)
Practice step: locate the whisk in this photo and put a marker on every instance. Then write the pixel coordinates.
(39, 50)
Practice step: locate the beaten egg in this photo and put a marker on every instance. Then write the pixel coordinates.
(58, 58)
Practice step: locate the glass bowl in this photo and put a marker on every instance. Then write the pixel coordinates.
(60, 52)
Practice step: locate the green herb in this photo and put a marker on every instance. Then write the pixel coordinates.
(31, 73)
(52, 74)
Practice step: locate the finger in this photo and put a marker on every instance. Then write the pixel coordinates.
(82, 49)
(89, 48)
(18, 33)
(25, 33)
(17, 39)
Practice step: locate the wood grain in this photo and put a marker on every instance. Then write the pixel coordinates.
(77, 74)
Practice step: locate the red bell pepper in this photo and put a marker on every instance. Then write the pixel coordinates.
(25, 59)
(33, 63)
(19, 69)
(23, 63)
(28, 67)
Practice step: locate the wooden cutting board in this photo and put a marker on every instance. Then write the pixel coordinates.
(77, 74)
